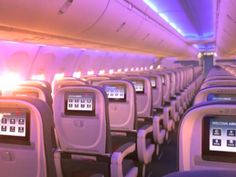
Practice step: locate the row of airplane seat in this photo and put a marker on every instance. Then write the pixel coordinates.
(207, 133)
(110, 125)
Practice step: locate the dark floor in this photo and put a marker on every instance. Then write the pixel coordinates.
(167, 160)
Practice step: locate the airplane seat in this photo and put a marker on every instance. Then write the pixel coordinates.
(123, 117)
(207, 137)
(218, 83)
(166, 105)
(94, 80)
(44, 86)
(27, 139)
(216, 93)
(173, 100)
(67, 82)
(43, 83)
(83, 133)
(202, 173)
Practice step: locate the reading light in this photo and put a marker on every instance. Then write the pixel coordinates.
(137, 69)
(39, 77)
(8, 81)
(132, 69)
(90, 73)
(101, 72)
(151, 67)
(77, 74)
(145, 68)
(158, 66)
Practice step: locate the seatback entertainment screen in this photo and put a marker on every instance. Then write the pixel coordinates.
(221, 97)
(116, 92)
(153, 82)
(139, 86)
(14, 126)
(219, 139)
(80, 104)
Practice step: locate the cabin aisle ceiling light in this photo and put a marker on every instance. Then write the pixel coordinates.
(193, 19)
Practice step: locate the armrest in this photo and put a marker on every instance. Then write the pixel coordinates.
(130, 133)
(145, 152)
(158, 129)
(123, 151)
(117, 158)
(147, 119)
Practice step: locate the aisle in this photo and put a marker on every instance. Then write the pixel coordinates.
(167, 162)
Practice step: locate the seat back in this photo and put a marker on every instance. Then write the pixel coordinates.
(122, 104)
(156, 83)
(143, 89)
(216, 93)
(81, 119)
(26, 138)
(207, 137)
(166, 87)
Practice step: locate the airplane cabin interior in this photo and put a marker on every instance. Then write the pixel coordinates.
(117, 88)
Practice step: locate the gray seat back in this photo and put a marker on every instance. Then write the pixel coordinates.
(26, 138)
(143, 95)
(122, 104)
(81, 119)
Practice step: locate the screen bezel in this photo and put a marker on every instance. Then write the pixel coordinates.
(79, 113)
(8, 139)
(139, 92)
(209, 155)
(117, 99)
(153, 78)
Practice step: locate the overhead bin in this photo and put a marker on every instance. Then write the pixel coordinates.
(225, 40)
(53, 17)
(106, 24)
(116, 26)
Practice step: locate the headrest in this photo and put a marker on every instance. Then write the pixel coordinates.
(67, 82)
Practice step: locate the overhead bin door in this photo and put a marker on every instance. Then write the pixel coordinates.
(53, 17)
(117, 25)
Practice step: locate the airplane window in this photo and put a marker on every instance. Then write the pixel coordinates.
(15, 126)
(80, 104)
(116, 92)
(219, 139)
